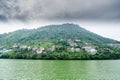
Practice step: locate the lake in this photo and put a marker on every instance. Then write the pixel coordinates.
(12, 69)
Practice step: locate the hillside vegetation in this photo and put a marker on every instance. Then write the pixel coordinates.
(51, 33)
(66, 41)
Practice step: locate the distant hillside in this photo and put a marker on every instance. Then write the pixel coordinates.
(52, 33)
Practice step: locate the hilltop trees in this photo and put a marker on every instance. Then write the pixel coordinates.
(64, 41)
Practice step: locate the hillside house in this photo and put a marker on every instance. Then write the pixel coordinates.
(40, 50)
(15, 46)
(114, 45)
(5, 51)
(77, 40)
(34, 49)
(73, 49)
(90, 50)
(77, 49)
(23, 47)
(72, 43)
(29, 48)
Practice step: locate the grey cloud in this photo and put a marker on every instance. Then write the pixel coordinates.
(3, 18)
(25, 10)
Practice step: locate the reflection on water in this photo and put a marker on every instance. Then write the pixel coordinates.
(59, 70)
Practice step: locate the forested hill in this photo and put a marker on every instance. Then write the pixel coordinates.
(52, 33)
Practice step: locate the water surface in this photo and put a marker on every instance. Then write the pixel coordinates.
(59, 69)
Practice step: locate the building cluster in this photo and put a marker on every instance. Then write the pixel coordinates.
(37, 50)
(90, 49)
(4, 50)
(73, 47)
(115, 45)
(72, 43)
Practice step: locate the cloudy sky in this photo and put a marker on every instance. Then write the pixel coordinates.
(99, 16)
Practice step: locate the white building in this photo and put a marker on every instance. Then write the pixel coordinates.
(23, 47)
(77, 49)
(73, 49)
(90, 50)
(52, 48)
(40, 50)
(15, 46)
(77, 40)
(5, 50)
(34, 49)
(115, 45)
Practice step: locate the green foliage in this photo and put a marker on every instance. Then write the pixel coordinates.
(63, 55)
(51, 33)
(58, 35)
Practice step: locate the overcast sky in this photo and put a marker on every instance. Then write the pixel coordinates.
(99, 16)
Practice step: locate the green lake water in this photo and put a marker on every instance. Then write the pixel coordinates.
(59, 69)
